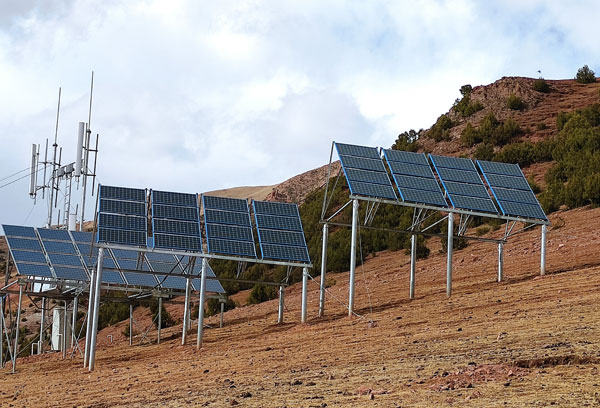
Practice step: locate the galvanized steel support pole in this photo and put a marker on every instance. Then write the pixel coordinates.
(159, 325)
(130, 324)
(353, 256)
(543, 247)
(96, 309)
(413, 264)
(450, 248)
(42, 321)
(2, 332)
(500, 261)
(186, 310)
(201, 305)
(90, 314)
(73, 331)
(323, 270)
(280, 310)
(304, 290)
(63, 340)
(221, 317)
(16, 349)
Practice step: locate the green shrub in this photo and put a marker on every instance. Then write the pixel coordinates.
(407, 141)
(585, 75)
(112, 313)
(526, 153)
(261, 293)
(515, 103)
(534, 186)
(464, 106)
(541, 126)
(470, 136)
(482, 230)
(484, 151)
(490, 131)
(441, 129)
(541, 85)
(165, 317)
(213, 306)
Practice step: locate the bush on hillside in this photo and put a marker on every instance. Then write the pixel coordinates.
(441, 129)
(490, 131)
(541, 85)
(407, 141)
(526, 153)
(484, 151)
(165, 317)
(261, 293)
(515, 103)
(213, 306)
(463, 105)
(585, 75)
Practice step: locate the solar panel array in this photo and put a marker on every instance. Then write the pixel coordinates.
(122, 216)
(176, 221)
(26, 251)
(462, 184)
(280, 232)
(228, 226)
(364, 171)
(511, 190)
(414, 178)
(63, 256)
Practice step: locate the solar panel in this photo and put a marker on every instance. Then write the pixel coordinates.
(231, 247)
(123, 193)
(182, 242)
(410, 169)
(165, 267)
(506, 169)
(60, 259)
(227, 217)
(165, 226)
(372, 190)
(175, 212)
(172, 282)
(367, 176)
(423, 197)
(416, 183)
(82, 236)
(113, 277)
(224, 203)
(358, 151)
(459, 163)
(31, 269)
(125, 254)
(511, 190)
(126, 222)
(362, 163)
(84, 249)
(140, 279)
(24, 243)
(171, 198)
(212, 285)
(157, 256)
(128, 264)
(78, 274)
(406, 157)
(59, 247)
(229, 232)
(123, 237)
(18, 231)
(28, 256)
(462, 183)
(123, 207)
(281, 237)
(54, 234)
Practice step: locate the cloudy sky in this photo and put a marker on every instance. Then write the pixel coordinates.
(201, 95)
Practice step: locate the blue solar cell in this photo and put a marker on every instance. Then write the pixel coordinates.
(406, 157)
(123, 237)
(522, 210)
(212, 285)
(460, 176)
(174, 212)
(164, 226)
(57, 235)
(372, 190)
(278, 223)
(269, 236)
(170, 198)
(172, 282)
(227, 217)
(362, 163)
(63, 272)
(157, 256)
(122, 193)
(473, 203)
(87, 250)
(358, 151)
(59, 247)
(224, 203)
(165, 267)
(24, 243)
(459, 163)
(91, 262)
(410, 169)
(367, 176)
(28, 256)
(273, 208)
(466, 189)
(423, 197)
(113, 277)
(30, 269)
(18, 231)
(228, 247)
(519, 196)
(140, 279)
(417, 183)
(284, 252)
(182, 242)
(506, 169)
(128, 264)
(65, 260)
(229, 232)
(82, 236)
(497, 180)
(123, 207)
(125, 254)
(127, 222)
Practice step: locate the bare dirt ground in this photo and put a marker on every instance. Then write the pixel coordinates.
(527, 341)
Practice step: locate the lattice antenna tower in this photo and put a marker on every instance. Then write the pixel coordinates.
(58, 177)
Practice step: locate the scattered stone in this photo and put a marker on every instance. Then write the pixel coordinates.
(296, 382)
(507, 384)
(268, 349)
(459, 329)
(245, 395)
(310, 384)
(363, 390)
(234, 403)
(206, 371)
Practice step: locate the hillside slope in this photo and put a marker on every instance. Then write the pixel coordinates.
(528, 341)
